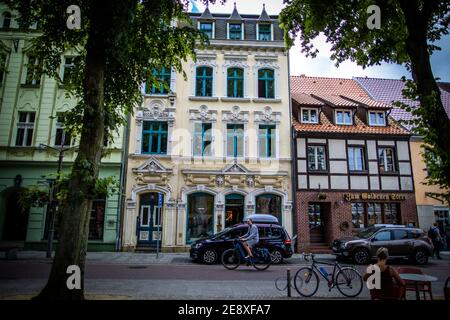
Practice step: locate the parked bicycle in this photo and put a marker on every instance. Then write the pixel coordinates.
(347, 279)
(232, 258)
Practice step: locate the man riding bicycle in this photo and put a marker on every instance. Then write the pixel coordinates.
(250, 239)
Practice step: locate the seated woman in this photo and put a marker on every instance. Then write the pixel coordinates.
(392, 287)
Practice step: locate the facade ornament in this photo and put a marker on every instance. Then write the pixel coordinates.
(250, 180)
(220, 181)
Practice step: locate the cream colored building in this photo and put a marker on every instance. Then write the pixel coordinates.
(216, 147)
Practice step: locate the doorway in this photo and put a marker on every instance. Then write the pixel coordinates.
(234, 209)
(15, 221)
(316, 223)
(149, 226)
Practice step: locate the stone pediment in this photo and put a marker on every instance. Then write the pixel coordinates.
(152, 166)
(235, 168)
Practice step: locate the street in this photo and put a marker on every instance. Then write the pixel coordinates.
(176, 277)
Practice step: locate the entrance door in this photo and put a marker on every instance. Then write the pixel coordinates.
(16, 219)
(149, 227)
(234, 209)
(316, 223)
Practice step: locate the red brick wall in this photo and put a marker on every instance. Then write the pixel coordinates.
(338, 211)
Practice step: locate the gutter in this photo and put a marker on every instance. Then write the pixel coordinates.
(123, 181)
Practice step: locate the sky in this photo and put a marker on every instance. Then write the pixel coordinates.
(322, 65)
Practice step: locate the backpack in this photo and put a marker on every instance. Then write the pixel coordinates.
(432, 232)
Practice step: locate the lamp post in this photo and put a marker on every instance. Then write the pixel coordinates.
(53, 210)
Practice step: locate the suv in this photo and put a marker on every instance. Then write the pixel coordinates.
(271, 236)
(401, 242)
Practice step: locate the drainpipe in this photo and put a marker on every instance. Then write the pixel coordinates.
(123, 182)
(293, 161)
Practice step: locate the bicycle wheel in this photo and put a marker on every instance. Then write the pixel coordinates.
(263, 263)
(349, 282)
(231, 259)
(306, 282)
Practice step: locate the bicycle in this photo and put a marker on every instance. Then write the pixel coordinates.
(232, 258)
(347, 279)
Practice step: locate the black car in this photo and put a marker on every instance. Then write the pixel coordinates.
(271, 236)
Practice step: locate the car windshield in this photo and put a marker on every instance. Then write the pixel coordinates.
(366, 233)
(221, 233)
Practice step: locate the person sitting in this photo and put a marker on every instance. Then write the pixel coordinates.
(250, 239)
(392, 287)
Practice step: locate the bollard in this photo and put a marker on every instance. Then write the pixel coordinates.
(289, 282)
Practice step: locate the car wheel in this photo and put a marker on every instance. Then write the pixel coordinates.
(420, 257)
(361, 256)
(276, 256)
(209, 256)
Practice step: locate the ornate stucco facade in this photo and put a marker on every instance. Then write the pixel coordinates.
(223, 147)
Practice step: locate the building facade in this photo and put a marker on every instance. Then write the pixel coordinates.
(206, 151)
(31, 106)
(429, 208)
(353, 162)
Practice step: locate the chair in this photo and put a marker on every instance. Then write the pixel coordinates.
(447, 289)
(411, 286)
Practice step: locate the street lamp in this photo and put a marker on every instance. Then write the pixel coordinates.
(52, 212)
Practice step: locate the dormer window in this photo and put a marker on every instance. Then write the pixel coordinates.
(235, 31)
(264, 32)
(207, 28)
(309, 115)
(377, 118)
(343, 117)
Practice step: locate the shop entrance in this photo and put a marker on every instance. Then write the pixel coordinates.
(149, 226)
(316, 223)
(234, 209)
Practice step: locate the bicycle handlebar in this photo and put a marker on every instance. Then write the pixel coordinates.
(307, 255)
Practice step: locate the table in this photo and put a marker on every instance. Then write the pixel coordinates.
(417, 279)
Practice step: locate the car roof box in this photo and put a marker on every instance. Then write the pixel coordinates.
(261, 218)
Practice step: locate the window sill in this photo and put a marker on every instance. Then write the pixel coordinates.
(30, 86)
(265, 100)
(152, 95)
(195, 98)
(318, 172)
(362, 173)
(232, 99)
(391, 173)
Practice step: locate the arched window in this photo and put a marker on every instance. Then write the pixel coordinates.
(204, 82)
(269, 204)
(235, 83)
(200, 213)
(163, 75)
(6, 20)
(266, 84)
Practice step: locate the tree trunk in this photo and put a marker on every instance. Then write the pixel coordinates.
(73, 233)
(435, 117)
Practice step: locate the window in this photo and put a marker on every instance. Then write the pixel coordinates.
(25, 128)
(383, 236)
(267, 143)
(33, 71)
(377, 118)
(235, 82)
(200, 216)
(373, 213)
(154, 137)
(266, 84)
(235, 31)
(2, 66)
(356, 160)
(386, 161)
(269, 204)
(316, 158)
(235, 140)
(400, 234)
(309, 116)
(202, 139)
(62, 138)
(344, 117)
(391, 213)
(315, 215)
(264, 32)
(6, 20)
(207, 28)
(97, 218)
(204, 82)
(163, 76)
(68, 68)
(358, 215)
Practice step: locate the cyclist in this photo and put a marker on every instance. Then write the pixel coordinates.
(250, 239)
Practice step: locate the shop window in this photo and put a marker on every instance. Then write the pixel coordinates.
(97, 218)
(269, 204)
(358, 215)
(200, 216)
(374, 214)
(391, 213)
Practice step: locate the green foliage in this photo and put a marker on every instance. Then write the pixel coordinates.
(33, 196)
